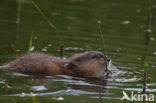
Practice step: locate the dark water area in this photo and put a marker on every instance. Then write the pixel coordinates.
(123, 24)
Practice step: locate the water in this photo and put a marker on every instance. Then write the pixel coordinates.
(123, 23)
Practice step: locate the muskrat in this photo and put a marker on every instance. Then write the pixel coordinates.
(87, 64)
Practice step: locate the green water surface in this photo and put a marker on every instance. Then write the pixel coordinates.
(123, 24)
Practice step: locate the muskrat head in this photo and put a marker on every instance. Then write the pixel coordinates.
(89, 64)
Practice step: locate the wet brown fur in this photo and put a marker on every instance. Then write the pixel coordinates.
(88, 64)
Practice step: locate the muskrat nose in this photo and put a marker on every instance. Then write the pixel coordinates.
(108, 60)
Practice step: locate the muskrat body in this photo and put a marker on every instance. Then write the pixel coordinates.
(87, 64)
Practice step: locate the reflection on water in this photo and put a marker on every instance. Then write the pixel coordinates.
(38, 88)
(123, 24)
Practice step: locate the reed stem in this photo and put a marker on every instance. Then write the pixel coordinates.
(30, 42)
(145, 76)
(103, 48)
(5, 87)
(42, 14)
(62, 50)
(105, 59)
(19, 11)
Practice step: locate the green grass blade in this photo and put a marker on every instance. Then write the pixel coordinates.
(30, 43)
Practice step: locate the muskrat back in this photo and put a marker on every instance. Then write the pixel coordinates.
(87, 64)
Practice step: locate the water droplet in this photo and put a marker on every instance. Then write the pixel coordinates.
(148, 30)
(153, 66)
(49, 45)
(154, 53)
(99, 21)
(32, 48)
(44, 49)
(32, 94)
(152, 38)
(126, 22)
(59, 98)
(38, 88)
(138, 58)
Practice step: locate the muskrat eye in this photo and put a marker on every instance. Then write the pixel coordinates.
(93, 57)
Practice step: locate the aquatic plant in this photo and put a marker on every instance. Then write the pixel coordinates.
(61, 50)
(145, 76)
(5, 87)
(42, 14)
(103, 47)
(105, 59)
(30, 43)
(19, 11)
